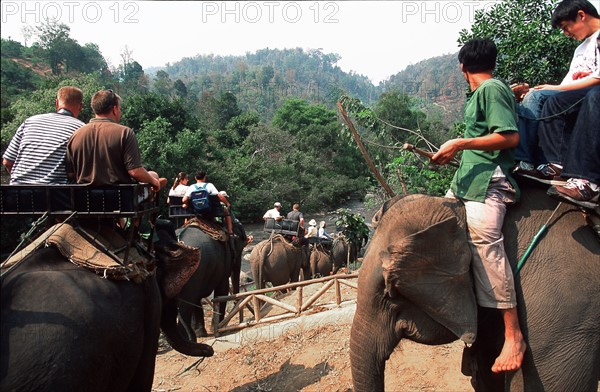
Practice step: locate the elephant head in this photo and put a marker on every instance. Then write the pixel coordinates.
(414, 283)
(415, 278)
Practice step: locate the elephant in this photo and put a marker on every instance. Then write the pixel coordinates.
(415, 283)
(321, 263)
(65, 328)
(342, 254)
(217, 265)
(277, 261)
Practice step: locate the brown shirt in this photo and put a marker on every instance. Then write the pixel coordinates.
(102, 152)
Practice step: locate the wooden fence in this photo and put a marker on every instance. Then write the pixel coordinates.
(255, 297)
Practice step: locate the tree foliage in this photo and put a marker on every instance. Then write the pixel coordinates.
(529, 49)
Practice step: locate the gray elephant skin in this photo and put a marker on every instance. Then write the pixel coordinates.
(321, 263)
(217, 264)
(415, 284)
(64, 328)
(276, 261)
(342, 254)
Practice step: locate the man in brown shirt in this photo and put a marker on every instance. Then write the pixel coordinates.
(104, 152)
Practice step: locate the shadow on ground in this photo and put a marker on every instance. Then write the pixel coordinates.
(289, 378)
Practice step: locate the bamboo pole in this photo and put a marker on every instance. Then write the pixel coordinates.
(284, 286)
(276, 303)
(364, 152)
(316, 295)
(235, 309)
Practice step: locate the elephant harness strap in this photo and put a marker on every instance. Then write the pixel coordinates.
(212, 229)
(93, 254)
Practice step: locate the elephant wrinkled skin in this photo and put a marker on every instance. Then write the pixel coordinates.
(212, 276)
(413, 285)
(64, 328)
(279, 262)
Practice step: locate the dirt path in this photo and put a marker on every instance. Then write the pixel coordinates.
(310, 353)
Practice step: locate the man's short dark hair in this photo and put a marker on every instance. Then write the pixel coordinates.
(104, 100)
(478, 55)
(567, 11)
(200, 174)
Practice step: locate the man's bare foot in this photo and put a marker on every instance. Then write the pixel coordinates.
(511, 356)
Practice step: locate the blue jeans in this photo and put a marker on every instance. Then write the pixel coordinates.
(529, 112)
(575, 145)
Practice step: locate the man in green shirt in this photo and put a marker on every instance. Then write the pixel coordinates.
(484, 184)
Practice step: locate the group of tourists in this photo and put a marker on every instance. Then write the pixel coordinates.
(568, 154)
(57, 148)
(559, 125)
(296, 215)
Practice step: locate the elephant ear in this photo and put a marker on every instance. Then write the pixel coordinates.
(431, 268)
(177, 262)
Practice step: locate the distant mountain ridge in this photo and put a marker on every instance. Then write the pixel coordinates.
(264, 79)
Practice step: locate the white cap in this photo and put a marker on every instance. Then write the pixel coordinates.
(277, 204)
(224, 193)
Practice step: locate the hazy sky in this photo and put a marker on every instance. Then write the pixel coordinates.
(373, 38)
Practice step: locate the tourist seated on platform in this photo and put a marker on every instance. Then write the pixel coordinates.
(180, 186)
(296, 215)
(322, 233)
(36, 153)
(103, 152)
(312, 231)
(578, 19)
(202, 184)
(274, 212)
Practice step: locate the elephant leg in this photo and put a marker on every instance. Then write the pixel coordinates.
(484, 351)
(199, 326)
(235, 279)
(185, 325)
(372, 341)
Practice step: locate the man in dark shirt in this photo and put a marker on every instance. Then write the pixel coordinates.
(104, 152)
(296, 214)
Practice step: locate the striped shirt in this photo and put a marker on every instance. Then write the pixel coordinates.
(38, 149)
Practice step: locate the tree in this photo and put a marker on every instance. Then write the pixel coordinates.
(132, 78)
(163, 84)
(529, 50)
(54, 38)
(142, 107)
(180, 89)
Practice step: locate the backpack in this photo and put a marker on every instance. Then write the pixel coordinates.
(199, 199)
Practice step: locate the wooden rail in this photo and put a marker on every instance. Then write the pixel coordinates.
(254, 297)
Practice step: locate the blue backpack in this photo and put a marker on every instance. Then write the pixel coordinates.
(199, 199)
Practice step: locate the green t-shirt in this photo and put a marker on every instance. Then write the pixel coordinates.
(490, 108)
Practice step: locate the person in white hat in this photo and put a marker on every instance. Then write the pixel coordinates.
(274, 212)
(312, 229)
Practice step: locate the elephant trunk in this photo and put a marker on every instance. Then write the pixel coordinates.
(169, 327)
(367, 355)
